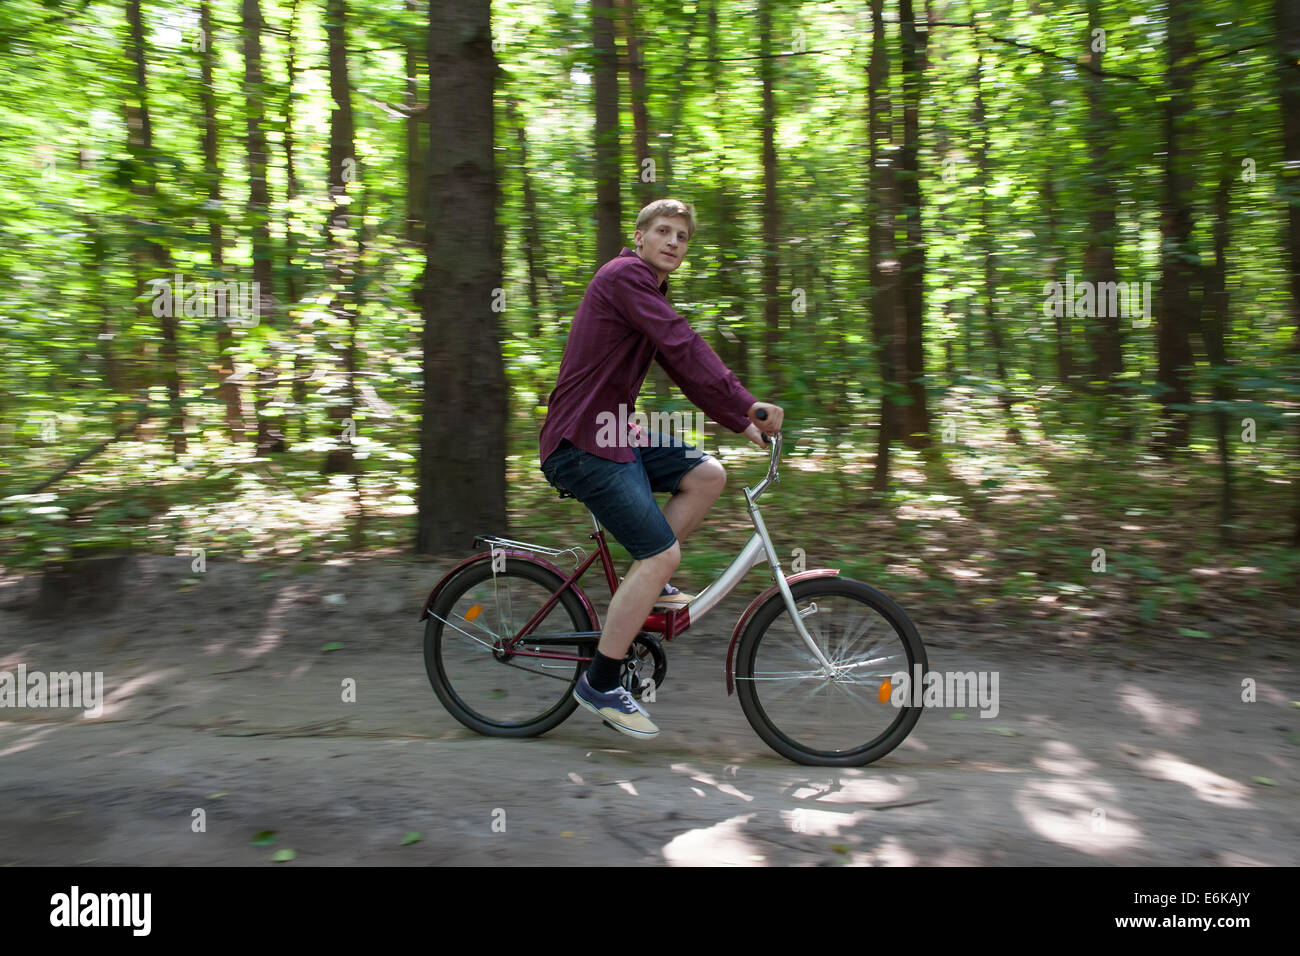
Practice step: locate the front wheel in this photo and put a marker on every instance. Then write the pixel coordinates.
(519, 693)
(846, 718)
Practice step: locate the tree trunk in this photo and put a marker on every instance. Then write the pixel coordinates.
(1103, 330)
(880, 240)
(771, 228)
(609, 207)
(645, 188)
(96, 264)
(1174, 351)
(991, 317)
(270, 437)
(1287, 28)
(912, 260)
(344, 255)
(229, 394)
(417, 174)
(1214, 332)
(1064, 349)
(534, 252)
(140, 144)
(462, 433)
(293, 289)
(636, 83)
(729, 333)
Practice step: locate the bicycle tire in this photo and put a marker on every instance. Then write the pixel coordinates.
(471, 679)
(802, 728)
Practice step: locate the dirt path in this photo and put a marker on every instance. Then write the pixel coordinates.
(219, 698)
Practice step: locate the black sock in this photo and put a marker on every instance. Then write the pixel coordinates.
(603, 673)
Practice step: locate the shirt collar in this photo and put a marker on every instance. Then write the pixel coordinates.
(663, 286)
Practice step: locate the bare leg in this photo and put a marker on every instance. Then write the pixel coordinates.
(699, 489)
(633, 600)
(645, 580)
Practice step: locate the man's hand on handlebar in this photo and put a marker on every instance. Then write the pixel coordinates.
(764, 419)
(757, 437)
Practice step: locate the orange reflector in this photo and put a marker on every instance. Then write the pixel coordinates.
(474, 612)
(886, 689)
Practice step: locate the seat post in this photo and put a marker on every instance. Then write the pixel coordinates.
(594, 521)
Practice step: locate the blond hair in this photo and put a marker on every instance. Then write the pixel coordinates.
(667, 207)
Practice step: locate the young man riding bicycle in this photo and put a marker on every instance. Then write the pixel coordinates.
(624, 323)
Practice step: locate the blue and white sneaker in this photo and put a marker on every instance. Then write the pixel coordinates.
(618, 708)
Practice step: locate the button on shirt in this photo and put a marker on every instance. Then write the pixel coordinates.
(624, 323)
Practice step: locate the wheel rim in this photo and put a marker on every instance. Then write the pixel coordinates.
(506, 692)
(843, 715)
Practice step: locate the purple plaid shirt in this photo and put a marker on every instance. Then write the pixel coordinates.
(623, 323)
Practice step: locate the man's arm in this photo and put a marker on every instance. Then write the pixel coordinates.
(684, 355)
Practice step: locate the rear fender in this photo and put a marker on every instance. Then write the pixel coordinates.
(528, 556)
(758, 602)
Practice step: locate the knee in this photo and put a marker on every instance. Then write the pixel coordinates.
(707, 476)
(666, 562)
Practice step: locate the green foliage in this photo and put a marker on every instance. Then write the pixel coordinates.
(86, 223)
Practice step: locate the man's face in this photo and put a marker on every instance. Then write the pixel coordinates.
(663, 243)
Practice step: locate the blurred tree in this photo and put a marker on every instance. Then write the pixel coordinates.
(771, 226)
(344, 232)
(887, 319)
(609, 175)
(270, 436)
(1178, 255)
(1103, 231)
(229, 392)
(144, 185)
(916, 414)
(462, 432)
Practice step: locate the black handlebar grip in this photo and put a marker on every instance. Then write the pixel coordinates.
(760, 414)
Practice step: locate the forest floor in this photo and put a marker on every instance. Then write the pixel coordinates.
(1134, 749)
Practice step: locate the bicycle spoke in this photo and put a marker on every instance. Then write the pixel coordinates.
(476, 640)
(790, 693)
(513, 694)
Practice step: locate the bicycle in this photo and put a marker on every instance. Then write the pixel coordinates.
(811, 680)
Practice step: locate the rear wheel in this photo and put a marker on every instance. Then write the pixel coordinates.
(843, 719)
(502, 694)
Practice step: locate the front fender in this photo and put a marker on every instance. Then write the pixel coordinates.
(520, 556)
(758, 602)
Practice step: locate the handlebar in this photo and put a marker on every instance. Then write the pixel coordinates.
(774, 442)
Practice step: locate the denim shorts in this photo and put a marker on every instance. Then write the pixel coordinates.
(621, 494)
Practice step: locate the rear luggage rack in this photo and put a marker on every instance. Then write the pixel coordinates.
(578, 554)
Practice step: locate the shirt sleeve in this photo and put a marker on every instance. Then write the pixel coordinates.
(684, 355)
